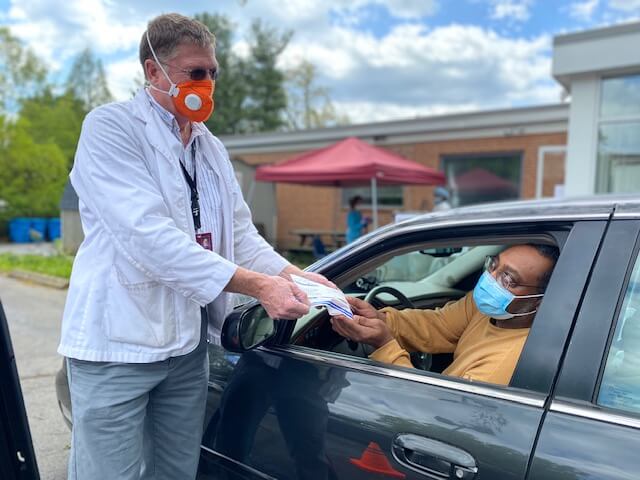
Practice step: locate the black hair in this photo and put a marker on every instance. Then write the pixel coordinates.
(353, 200)
(548, 251)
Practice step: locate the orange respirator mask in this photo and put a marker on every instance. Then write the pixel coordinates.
(193, 99)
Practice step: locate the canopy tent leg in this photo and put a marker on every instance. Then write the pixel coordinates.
(374, 201)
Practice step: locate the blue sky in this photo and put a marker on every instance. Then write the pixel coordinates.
(380, 59)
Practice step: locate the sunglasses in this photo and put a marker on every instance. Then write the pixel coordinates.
(198, 73)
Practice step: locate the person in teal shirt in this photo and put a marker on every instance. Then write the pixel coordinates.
(355, 223)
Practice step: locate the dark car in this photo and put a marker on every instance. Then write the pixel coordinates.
(294, 400)
(17, 458)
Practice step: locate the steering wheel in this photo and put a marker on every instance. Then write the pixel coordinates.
(362, 349)
(372, 296)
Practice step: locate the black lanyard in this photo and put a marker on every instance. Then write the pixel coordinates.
(193, 186)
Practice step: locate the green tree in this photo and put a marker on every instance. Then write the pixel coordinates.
(32, 176)
(231, 87)
(137, 83)
(22, 74)
(88, 81)
(309, 105)
(250, 94)
(51, 119)
(268, 99)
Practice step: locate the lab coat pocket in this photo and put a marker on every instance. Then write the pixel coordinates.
(139, 311)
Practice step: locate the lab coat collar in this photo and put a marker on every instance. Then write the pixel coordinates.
(158, 131)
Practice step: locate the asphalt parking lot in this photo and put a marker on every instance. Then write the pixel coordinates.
(34, 314)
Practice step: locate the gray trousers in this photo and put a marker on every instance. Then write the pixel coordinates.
(138, 421)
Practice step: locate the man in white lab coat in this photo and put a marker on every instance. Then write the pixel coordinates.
(167, 233)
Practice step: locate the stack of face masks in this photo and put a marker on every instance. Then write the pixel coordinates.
(322, 296)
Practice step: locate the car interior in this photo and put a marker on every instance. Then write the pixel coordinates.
(422, 277)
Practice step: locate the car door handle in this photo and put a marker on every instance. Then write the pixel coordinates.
(435, 459)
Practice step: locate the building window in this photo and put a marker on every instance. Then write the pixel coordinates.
(388, 196)
(482, 178)
(619, 135)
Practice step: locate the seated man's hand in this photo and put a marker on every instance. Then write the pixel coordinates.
(364, 309)
(371, 331)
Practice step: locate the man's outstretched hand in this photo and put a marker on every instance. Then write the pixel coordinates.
(372, 331)
(283, 299)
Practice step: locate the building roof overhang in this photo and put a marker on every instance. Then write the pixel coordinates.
(459, 126)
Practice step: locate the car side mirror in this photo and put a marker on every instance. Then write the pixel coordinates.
(246, 329)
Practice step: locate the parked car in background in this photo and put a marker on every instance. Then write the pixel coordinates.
(293, 400)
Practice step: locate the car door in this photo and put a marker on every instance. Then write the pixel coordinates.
(17, 458)
(593, 427)
(295, 412)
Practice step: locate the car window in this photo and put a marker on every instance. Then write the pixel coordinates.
(425, 277)
(419, 274)
(620, 386)
(426, 271)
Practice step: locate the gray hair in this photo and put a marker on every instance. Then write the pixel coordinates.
(168, 31)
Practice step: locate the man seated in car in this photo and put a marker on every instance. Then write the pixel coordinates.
(485, 330)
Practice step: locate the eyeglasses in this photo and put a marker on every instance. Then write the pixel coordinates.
(505, 279)
(198, 73)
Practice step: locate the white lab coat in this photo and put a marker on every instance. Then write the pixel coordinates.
(139, 278)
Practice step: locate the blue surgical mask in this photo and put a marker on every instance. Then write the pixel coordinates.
(492, 299)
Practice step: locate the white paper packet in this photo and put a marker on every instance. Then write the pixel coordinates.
(323, 296)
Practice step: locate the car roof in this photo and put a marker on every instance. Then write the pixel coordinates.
(575, 208)
(595, 207)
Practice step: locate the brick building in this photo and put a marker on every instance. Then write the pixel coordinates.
(588, 145)
(523, 147)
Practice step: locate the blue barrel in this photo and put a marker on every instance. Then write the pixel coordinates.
(19, 230)
(53, 229)
(38, 229)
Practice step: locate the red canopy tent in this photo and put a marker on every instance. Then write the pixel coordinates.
(479, 180)
(351, 162)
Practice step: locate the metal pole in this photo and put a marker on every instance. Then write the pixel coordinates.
(374, 201)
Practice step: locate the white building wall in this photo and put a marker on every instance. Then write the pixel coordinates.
(582, 142)
(580, 61)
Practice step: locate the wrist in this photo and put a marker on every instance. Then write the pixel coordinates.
(248, 282)
(287, 271)
(384, 340)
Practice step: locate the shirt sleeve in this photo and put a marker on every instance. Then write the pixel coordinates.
(113, 181)
(392, 353)
(432, 331)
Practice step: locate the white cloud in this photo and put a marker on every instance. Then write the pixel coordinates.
(454, 65)
(625, 5)
(124, 75)
(410, 9)
(59, 29)
(583, 10)
(365, 112)
(410, 70)
(511, 10)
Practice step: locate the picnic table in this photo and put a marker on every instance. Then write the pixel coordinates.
(331, 238)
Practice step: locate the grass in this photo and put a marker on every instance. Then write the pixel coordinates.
(60, 265)
(56, 265)
(300, 259)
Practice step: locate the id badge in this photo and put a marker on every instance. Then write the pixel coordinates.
(204, 239)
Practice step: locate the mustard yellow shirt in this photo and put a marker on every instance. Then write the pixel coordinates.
(481, 351)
